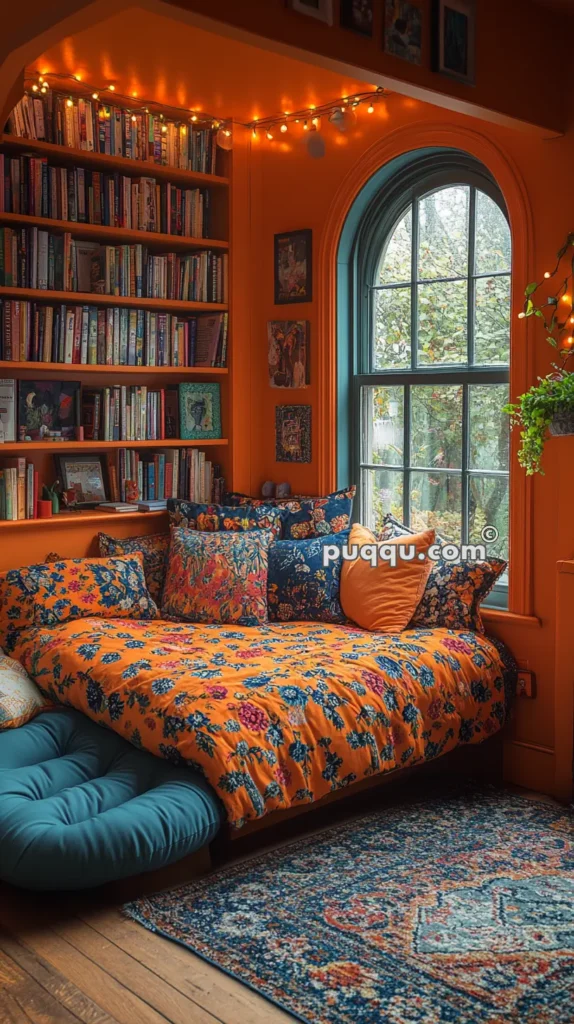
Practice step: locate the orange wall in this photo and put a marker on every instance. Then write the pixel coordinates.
(289, 191)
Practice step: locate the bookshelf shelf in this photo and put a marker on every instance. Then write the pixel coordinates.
(19, 447)
(111, 235)
(83, 518)
(102, 161)
(93, 299)
(79, 369)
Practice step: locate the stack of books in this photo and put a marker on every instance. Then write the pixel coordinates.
(32, 186)
(18, 490)
(114, 336)
(97, 127)
(32, 258)
(172, 473)
(122, 413)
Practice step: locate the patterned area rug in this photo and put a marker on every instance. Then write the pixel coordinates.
(452, 910)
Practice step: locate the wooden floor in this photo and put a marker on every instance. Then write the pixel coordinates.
(88, 963)
(74, 957)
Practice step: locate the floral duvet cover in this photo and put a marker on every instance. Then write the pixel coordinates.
(279, 715)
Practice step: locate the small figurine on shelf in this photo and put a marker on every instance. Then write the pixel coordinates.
(49, 493)
(70, 500)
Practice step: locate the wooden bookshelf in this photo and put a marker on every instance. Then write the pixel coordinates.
(83, 526)
(19, 447)
(82, 518)
(113, 235)
(79, 369)
(93, 299)
(103, 162)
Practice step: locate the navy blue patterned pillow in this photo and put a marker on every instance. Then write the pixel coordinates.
(213, 518)
(299, 586)
(307, 517)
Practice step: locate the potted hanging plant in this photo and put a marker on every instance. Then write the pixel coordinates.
(548, 406)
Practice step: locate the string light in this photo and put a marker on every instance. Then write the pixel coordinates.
(95, 95)
(112, 88)
(370, 109)
(270, 135)
(547, 274)
(69, 102)
(284, 128)
(305, 126)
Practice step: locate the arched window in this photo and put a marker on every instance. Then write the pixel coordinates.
(431, 269)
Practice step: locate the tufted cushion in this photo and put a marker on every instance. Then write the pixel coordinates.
(80, 806)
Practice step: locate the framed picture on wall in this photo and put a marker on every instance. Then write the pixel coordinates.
(453, 39)
(199, 412)
(320, 9)
(288, 353)
(358, 16)
(293, 267)
(403, 30)
(293, 433)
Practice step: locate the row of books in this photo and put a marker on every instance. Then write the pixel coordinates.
(18, 490)
(32, 258)
(113, 336)
(98, 127)
(31, 186)
(172, 473)
(130, 413)
(151, 477)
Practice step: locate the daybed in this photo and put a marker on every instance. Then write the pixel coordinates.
(273, 716)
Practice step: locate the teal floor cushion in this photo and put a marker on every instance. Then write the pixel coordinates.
(80, 806)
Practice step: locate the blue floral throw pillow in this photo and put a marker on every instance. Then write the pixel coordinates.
(308, 517)
(213, 518)
(299, 586)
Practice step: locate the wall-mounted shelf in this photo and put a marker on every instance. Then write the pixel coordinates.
(83, 518)
(75, 369)
(19, 447)
(105, 162)
(111, 235)
(93, 299)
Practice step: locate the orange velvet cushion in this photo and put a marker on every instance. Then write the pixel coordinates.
(383, 597)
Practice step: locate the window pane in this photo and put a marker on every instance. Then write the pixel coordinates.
(492, 321)
(442, 323)
(382, 493)
(443, 233)
(436, 425)
(489, 426)
(383, 427)
(396, 262)
(436, 503)
(392, 340)
(488, 506)
(492, 249)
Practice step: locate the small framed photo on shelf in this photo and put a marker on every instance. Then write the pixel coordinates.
(453, 39)
(403, 30)
(293, 267)
(84, 476)
(288, 353)
(48, 409)
(293, 433)
(358, 16)
(199, 412)
(320, 9)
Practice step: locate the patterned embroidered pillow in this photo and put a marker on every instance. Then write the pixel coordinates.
(454, 590)
(217, 577)
(300, 587)
(154, 548)
(212, 518)
(309, 517)
(20, 698)
(44, 595)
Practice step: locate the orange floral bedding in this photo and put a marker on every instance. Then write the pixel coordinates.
(278, 715)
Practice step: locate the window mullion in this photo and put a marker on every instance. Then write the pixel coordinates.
(414, 285)
(471, 292)
(407, 453)
(465, 490)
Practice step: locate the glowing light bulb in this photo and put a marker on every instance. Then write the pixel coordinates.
(521, 316)
(193, 117)
(547, 274)
(164, 128)
(95, 95)
(570, 340)
(254, 133)
(112, 88)
(34, 88)
(370, 109)
(315, 122)
(565, 298)
(270, 135)
(134, 118)
(41, 80)
(227, 133)
(69, 103)
(305, 127)
(283, 128)
(78, 78)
